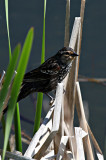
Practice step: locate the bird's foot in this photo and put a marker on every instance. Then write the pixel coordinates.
(51, 99)
(51, 102)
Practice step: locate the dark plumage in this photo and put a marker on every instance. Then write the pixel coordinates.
(47, 75)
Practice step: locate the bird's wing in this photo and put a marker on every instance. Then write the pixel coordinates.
(50, 67)
(43, 72)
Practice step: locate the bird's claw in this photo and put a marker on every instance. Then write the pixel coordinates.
(51, 102)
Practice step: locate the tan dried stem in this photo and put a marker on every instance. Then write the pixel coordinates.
(67, 24)
(69, 98)
(82, 10)
(83, 124)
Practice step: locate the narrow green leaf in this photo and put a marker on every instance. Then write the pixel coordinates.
(16, 85)
(17, 126)
(7, 22)
(43, 37)
(17, 119)
(40, 95)
(3, 126)
(9, 75)
(38, 112)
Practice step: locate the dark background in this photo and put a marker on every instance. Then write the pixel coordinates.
(23, 14)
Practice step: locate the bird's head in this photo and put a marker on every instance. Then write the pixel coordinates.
(66, 55)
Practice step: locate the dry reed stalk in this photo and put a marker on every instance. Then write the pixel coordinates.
(44, 137)
(93, 80)
(62, 147)
(56, 121)
(67, 24)
(57, 110)
(69, 85)
(24, 140)
(82, 10)
(70, 89)
(69, 155)
(15, 156)
(35, 139)
(72, 143)
(12, 143)
(83, 124)
(50, 135)
(96, 145)
(70, 80)
(60, 132)
(49, 155)
(45, 145)
(67, 134)
(79, 135)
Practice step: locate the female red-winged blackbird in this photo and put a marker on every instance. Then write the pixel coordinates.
(46, 77)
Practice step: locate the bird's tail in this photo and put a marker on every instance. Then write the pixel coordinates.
(24, 91)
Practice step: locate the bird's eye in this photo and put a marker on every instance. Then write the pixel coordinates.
(67, 53)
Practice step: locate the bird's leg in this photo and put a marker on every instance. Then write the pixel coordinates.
(51, 98)
(49, 95)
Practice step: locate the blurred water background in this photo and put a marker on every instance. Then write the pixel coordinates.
(22, 15)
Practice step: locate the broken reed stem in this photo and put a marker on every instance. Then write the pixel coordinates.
(58, 117)
(83, 124)
(30, 152)
(15, 156)
(36, 137)
(57, 109)
(60, 131)
(62, 147)
(56, 121)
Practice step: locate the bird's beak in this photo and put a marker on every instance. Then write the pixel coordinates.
(73, 54)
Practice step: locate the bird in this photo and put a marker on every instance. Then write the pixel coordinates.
(46, 77)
